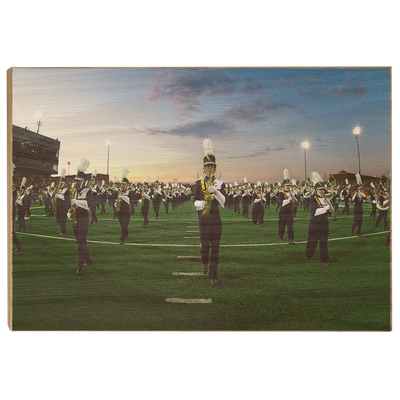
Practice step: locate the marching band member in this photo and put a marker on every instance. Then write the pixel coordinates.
(373, 199)
(167, 196)
(124, 206)
(145, 201)
(62, 199)
(307, 193)
(345, 196)
(286, 201)
(81, 202)
(258, 199)
(157, 197)
(209, 194)
(358, 199)
(236, 199)
(103, 197)
(267, 195)
(95, 193)
(48, 197)
(318, 228)
(16, 241)
(383, 202)
(21, 202)
(246, 198)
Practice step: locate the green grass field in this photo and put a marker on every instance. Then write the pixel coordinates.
(266, 285)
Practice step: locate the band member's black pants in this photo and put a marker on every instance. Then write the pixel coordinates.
(210, 230)
(124, 219)
(257, 213)
(358, 221)
(81, 229)
(382, 215)
(286, 219)
(318, 233)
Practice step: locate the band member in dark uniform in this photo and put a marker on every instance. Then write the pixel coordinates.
(373, 199)
(345, 196)
(286, 201)
(16, 241)
(62, 198)
(157, 197)
(358, 199)
(209, 195)
(103, 198)
(145, 201)
(167, 197)
(246, 198)
(21, 202)
(258, 199)
(318, 228)
(81, 203)
(307, 193)
(125, 201)
(94, 187)
(383, 203)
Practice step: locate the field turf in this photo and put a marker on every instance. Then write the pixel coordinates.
(266, 285)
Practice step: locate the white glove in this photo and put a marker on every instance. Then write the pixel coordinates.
(199, 204)
(212, 189)
(69, 215)
(140, 201)
(73, 202)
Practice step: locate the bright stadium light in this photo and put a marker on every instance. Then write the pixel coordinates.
(356, 133)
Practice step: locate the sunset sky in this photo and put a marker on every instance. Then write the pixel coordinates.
(257, 119)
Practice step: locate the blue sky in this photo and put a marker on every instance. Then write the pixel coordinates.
(257, 118)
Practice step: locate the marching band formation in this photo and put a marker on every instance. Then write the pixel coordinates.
(80, 201)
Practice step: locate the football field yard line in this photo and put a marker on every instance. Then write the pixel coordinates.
(192, 245)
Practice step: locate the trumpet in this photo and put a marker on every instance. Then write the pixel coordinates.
(208, 197)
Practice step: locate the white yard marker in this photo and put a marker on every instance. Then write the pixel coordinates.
(191, 237)
(189, 301)
(187, 273)
(189, 257)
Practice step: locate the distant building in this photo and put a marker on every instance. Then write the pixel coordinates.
(343, 175)
(34, 153)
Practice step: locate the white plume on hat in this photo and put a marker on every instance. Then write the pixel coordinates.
(115, 179)
(103, 182)
(125, 173)
(83, 165)
(286, 174)
(63, 173)
(315, 177)
(94, 174)
(156, 178)
(244, 180)
(146, 180)
(293, 182)
(259, 183)
(358, 179)
(208, 147)
(23, 183)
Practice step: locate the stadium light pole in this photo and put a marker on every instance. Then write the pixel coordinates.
(108, 143)
(39, 122)
(305, 145)
(356, 133)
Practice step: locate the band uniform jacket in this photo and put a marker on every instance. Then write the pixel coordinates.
(83, 200)
(214, 215)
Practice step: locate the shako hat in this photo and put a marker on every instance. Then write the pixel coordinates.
(286, 180)
(209, 156)
(124, 176)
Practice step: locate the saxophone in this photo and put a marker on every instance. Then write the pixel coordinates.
(208, 197)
